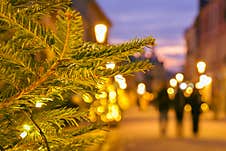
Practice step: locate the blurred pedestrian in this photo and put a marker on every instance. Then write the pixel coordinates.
(163, 103)
(179, 103)
(195, 101)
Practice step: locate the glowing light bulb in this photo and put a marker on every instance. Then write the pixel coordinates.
(27, 127)
(110, 65)
(141, 88)
(173, 82)
(23, 134)
(38, 104)
(179, 77)
(100, 32)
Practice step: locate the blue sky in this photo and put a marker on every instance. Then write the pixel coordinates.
(165, 20)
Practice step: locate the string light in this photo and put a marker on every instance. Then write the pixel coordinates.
(38, 104)
(27, 127)
(23, 134)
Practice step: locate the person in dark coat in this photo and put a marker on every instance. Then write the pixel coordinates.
(163, 102)
(179, 103)
(195, 101)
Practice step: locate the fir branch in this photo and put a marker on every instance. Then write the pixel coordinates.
(66, 42)
(39, 129)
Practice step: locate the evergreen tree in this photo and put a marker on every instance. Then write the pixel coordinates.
(41, 68)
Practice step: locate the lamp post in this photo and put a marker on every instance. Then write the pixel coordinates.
(100, 32)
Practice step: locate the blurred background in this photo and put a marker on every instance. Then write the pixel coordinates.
(190, 54)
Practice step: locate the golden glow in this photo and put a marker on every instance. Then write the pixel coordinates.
(170, 91)
(204, 107)
(121, 81)
(173, 82)
(92, 115)
(199, 85)
(39, 104)
(110, 65)
(100, 32)
(87, 98)
(122, 86)
(187, 108)
(201, 66)
(148, 96)
(114, 113)
(26, 127)
(101, 95)
(23, 134)
(118, 118)
(103, 118)
(206, 80)
(100, 109)
(103, 101)
(119, 77)
(141, 89)
(112, 95)
(179, 77)
(188, 91)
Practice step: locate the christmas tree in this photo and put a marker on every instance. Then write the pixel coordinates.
(43, 67)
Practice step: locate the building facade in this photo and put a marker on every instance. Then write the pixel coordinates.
(206, 41)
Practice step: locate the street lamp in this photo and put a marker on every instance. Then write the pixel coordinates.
(201, 66)
(100, 32)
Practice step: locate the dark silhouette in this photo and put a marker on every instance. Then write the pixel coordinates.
(195, 101)
(179, 103)
(163, 103)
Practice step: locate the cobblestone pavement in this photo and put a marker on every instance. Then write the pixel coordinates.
(139, 131)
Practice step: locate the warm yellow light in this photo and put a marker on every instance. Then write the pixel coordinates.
(183, 86)
(170, 91)
(100, 109)
(179, 77)
(199, 85)
(101, 95)
(100, 32)
(23, 134)
(204, 107)
(187, 108)
(112, 95)
(122, 85)
(121, 81)
(39, 104)
(118, 118)
(87, 98)
(173, 82)
(103, 117)
(119, 77)
(92, 116)
(206, 80)
(201, 66)
(27, 127)
(189, 90)
(148, 96)
(110, 65)
(141, 88)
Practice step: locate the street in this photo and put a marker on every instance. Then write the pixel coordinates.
(139, 130)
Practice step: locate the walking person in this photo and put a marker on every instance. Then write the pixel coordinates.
(163, 103)
(195, 101)
(179, 103)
